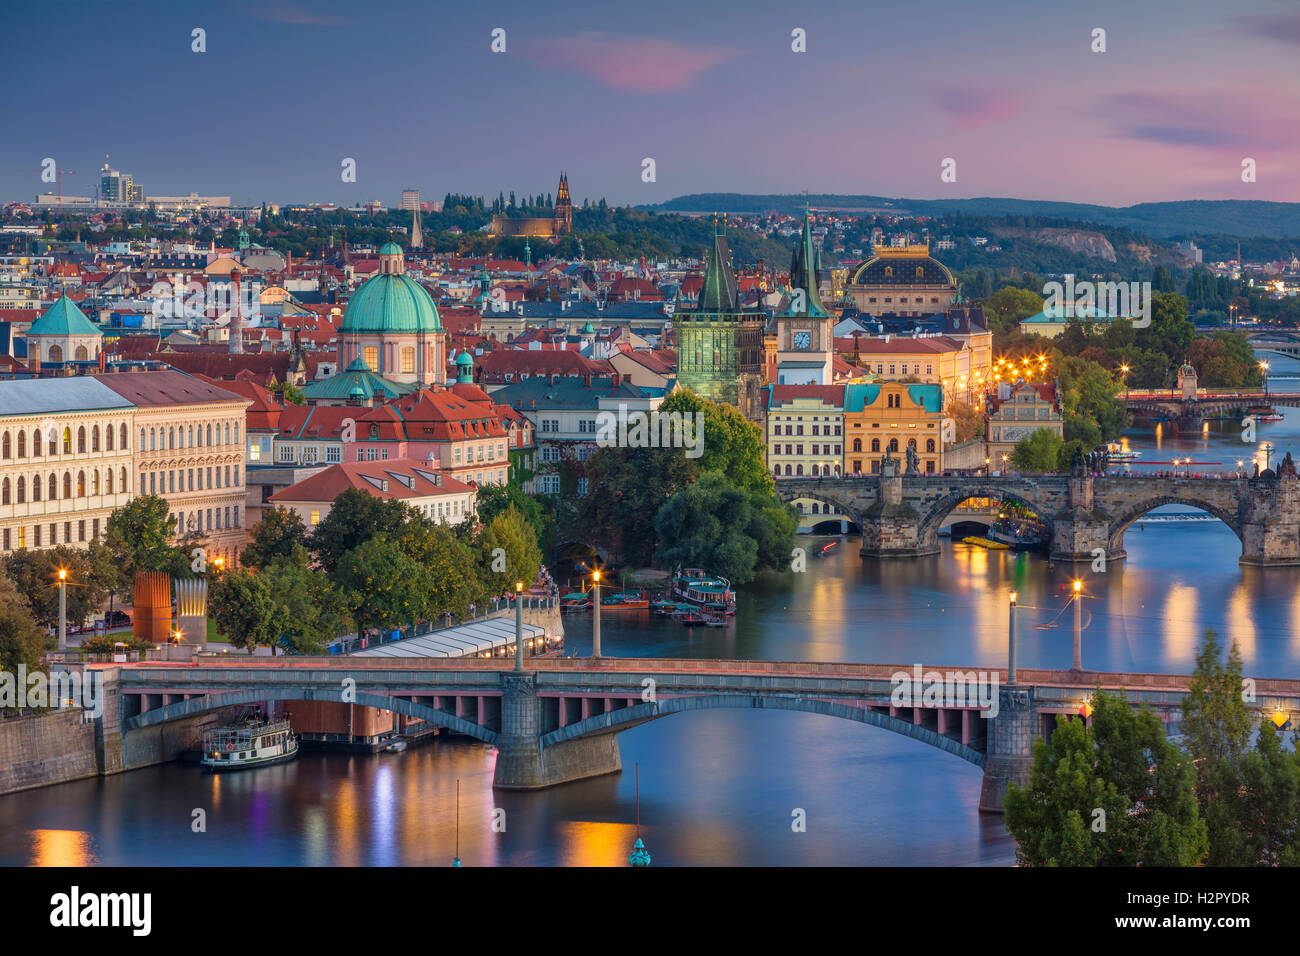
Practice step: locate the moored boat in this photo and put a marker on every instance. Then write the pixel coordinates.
(698, 587)
(252, 743)
(575, 601)
(624, 601)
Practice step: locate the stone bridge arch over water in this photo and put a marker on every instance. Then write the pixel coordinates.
(1086, 515)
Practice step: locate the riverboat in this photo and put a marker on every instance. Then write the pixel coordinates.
(575, 601)
(624, 601)
(698, 587)
(252, 743)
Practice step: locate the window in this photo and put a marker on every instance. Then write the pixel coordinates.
(94, 438)
(334, 453)
(875, 444)
(408, 360)
(22, 490)
(372, 358)
(22, 443)
(67, 440)
(254, 451)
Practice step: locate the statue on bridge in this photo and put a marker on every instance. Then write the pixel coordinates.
(1287, 467)
(913, 461)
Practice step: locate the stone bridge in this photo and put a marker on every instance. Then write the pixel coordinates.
(1087, 515)
(558, 720)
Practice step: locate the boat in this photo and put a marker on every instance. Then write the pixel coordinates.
(716, 619)
(250, 743)
(986, 543)
(663, 607)
(1116, 452)
(1272, 417)
(575, 601)
(624, 601)
(396, 745)
(698, 587)
(693, 618)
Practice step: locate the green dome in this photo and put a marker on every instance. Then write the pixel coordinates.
(390, 248)
(464, 358)
(391, 302)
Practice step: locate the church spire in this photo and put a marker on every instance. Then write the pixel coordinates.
(719, 292)
(805, 272)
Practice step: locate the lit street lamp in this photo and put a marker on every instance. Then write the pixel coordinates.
(63, 609)
(595, 613)
(1078, 624)
(1263, 367)
(519, 626)
(1011, 641)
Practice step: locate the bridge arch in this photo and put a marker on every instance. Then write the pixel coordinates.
(939, 509)
(199, 705)
(792, 491)
(626, 717)
(1120, 524)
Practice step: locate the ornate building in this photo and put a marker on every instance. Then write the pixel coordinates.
(719, 343)
(557, 225)
(894, 419)
(805, 346)
(902, 280)
(392, 325)
(61, 336)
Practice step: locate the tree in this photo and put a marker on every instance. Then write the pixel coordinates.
(385, 588)
(35, 574)
(728, 442)
(519, 556)
(1009, 305)
(354, 518)
(21, 642)
(140, 535)
(245, 610)
(1040, 450)
(280, 535)
(731, 531)
(1118, 793)
(967, 420)
(455, 576)
(314, 611)
(628, 487)
(492, 500)
(1090, 405)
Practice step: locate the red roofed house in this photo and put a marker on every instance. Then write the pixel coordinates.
(439, 497)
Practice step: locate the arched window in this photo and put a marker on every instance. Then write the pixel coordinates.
(143, 446)
(209, 435)
(122, 444)
(81, 440)
(122, 486)
(36, 487)
(67, 440)
(81, 484)
(108, 438)
(81, 354)
(929, 444)
(798, 469)
(56, 355)
(108, 481)
(875, 444)
(36, 443)
(94, 482)
(227, 433)
(814, 474)
(54, 488)
(171, 438)
(776, 470)
(788, 471)
(67, 484)
(911, 443)
(22, 443)
(94, 438)
(4, 492)
(893, 444)
(190, 441)
(889, 272)
(153, 440)
(22, 490)
(857, 444)
(4, 446)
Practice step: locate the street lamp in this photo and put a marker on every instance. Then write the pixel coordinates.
(1124, 378)
(595, 612)
(1239, 465)
(1263, 367)
(1011, 640)
(519, 626)
(1078, 624)
(986, 467)
(63, 609)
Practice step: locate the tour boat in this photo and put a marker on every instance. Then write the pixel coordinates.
(698, 587)
(663, 606)
(624, 601)
(1115, 452)
(575, 601)
(253, 743)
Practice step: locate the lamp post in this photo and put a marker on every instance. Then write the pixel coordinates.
(595, 613)
(1011, 640)
(63, 609)
(519, 626)
(1124, 377)
(1078, 624)
(1263, 367)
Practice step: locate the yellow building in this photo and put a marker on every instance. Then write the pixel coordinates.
(1016, 412)
(889, 418)
(962, 369)
(804, 427)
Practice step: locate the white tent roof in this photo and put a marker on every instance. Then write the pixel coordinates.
(467, 640)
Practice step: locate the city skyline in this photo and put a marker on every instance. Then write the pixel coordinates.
(285, 92)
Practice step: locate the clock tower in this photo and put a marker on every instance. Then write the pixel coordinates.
(805, 344)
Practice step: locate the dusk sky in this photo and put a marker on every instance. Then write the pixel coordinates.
(710, 89)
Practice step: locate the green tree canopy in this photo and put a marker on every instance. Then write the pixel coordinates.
(280, 535)
(141, 533)
(354, 518)
(21, 642)
(1040, 450)
(520, 557)
(35, 573)
(245, 609)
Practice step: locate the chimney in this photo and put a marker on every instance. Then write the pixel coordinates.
(236, 316)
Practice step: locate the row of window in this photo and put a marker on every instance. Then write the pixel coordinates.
(816, 450)
(916, 369)
(15, 491)
(550, 485)
(815, 470)
(163, 483)
(50, 443)
(187, 437)
(209, 519)
(16, 538)
(798, 430)
(875, 466)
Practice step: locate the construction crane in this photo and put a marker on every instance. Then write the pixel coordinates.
(59, 177)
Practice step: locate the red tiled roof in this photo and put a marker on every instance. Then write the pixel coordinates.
(168, 387)
(370, 476)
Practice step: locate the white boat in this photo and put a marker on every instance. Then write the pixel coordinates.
(1115, 452)
(396, 745)
(252, 743)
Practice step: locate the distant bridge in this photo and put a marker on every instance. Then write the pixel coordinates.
(558, 720)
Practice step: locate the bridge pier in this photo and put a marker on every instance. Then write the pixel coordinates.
(523, 763)
(1270, 534)
(1079, 532)
(892, 527)
(1010, 747)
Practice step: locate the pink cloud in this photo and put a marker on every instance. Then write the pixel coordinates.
(635, 64)
(972, 107)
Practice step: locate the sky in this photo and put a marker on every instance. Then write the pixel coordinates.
(711, 90)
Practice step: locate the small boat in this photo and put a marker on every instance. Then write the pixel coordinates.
(716, 620)
(624, 601)
(575, 601)
(986, 543)
(663, 607)
(693, 618)
(252, 743)
(1116, 452)
(1273, 417)
(726, 610)
(396, 745)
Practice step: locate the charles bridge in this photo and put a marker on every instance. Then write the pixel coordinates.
(557, 720)
(1087, 515)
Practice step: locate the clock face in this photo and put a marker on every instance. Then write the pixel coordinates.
(802, 340)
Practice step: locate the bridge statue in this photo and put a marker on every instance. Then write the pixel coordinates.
(913, 461)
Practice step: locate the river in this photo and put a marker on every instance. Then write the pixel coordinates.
(723, 787)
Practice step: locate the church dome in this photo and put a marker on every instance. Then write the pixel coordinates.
(391, 301)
